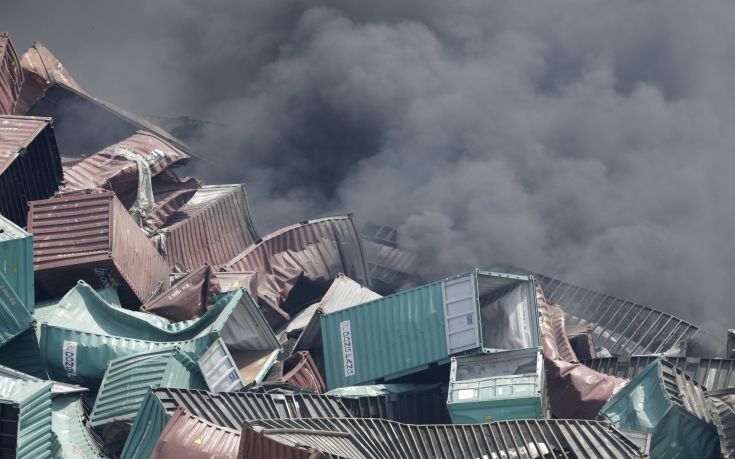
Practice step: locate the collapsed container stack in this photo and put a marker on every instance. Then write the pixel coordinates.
(141, 315)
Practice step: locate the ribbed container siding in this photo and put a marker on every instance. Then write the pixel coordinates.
(14, 318)
(300, 370)
(30, 165)
(25, 412)
(192, 437)
(22, 353)
(73, 438)
(253, 445)
(212, 227)
(11, 75)
(92, 237)
(16, 261)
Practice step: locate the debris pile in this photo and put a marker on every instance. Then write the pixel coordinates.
(141, 315)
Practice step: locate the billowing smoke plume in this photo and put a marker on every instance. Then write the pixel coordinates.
(590, 140)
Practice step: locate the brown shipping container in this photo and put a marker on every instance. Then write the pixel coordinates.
(212, 228)
(30, 166)
(191, 437)
(300, 370)
(254, 445)
(90, 236)
(41, 70)
(11, 76)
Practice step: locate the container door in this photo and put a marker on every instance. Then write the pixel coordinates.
(461, 314)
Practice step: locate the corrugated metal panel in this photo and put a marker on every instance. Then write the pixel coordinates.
(74, 439)
(185, 300)
(41, 70)
(227, 409)
(372, 438)
(25, 412)
(16, 261)
(85, 125)
(11, 76)
(92, 237)
(582, 341)
(220, 370)
(310, 254)
(30, 165)
(213, 227)
(392, 269)
(667, 403)
(22, 353)
(14, 318)
(253, 445)
(57, 389)
(713, 373)
(722, 407)
(412, 327)
(299, 370)
(128, 379)
(428, 407)
(192, 437)
(622, 327)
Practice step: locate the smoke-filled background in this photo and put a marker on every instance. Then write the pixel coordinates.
(590, 140)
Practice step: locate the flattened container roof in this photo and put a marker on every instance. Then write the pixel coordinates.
(665, 402)
(375, 438)
(722, 407)
(92, 237)
(128, 379)
(11, 76)
(85, 125)
(212, 227)
(74, 439)
(622, 327)
(227, 409)
(30, 165)
(192, 437)
(712, 373)
(16, 261)
(310, 254)
(14, 318)
(25, 413)
(41, 70)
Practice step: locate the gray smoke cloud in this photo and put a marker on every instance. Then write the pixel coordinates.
(589, 140)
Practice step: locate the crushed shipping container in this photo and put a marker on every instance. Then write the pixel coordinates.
(90, 236)
(191, 437)
(665, 402)
(14, 318)
(498, 386)
(299, 370)
(73, 438)
(426, 325)
(25, 414)
(30, 165)
(11, 75)
(297, 264)
(722, 407)
(16, 261)
(253, 445)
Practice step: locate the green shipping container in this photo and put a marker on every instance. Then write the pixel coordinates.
(25, 415)
(16, 261)
(14, 318)
(499, 386)
(667, 403)
(407, 332)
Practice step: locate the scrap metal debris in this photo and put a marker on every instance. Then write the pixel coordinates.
(141, 315)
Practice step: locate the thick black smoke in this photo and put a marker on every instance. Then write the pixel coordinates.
(590, 140)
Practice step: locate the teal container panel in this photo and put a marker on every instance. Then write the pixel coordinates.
(14, 318)
(32, 399)
(16, 261)
(385, 338)
(496, 410)
(150, 420)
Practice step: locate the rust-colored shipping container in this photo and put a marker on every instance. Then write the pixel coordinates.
(221, 282)
(254, 445)
(90, 236)
(300, 370)
(582, 341)
(212, 228)
(11, 76)
(30, 166)
(191, 437)
(41, 70)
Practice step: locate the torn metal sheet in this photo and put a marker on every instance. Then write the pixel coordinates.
(376, 438)
(622, 327)
(11, 76)
(672, 407)
(91, 237)
(23, 354)
(575, 391)
(58, 388)
(722, 408)
(185, 300)
(211, 228)
(41, 70)
(227, 409)
(299, 370)
(30, 165)
(582, 341)
(16, 261)
(14, 317)
(25, 414)
(712, 373)
(296, 264)
(74, 439)
(189, 436)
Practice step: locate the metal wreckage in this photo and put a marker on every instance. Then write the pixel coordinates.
(141, 315)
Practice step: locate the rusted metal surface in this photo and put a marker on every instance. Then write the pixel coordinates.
(221, 282)
(582, 341)
(305, 257)
(575, 391)
(11, 76)
(212, 227)
(108, 169)
(30, 166)
(90, 236)
(300, 370)
(41, 70)
(253, 445)
(187, 299)
(191, 437)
